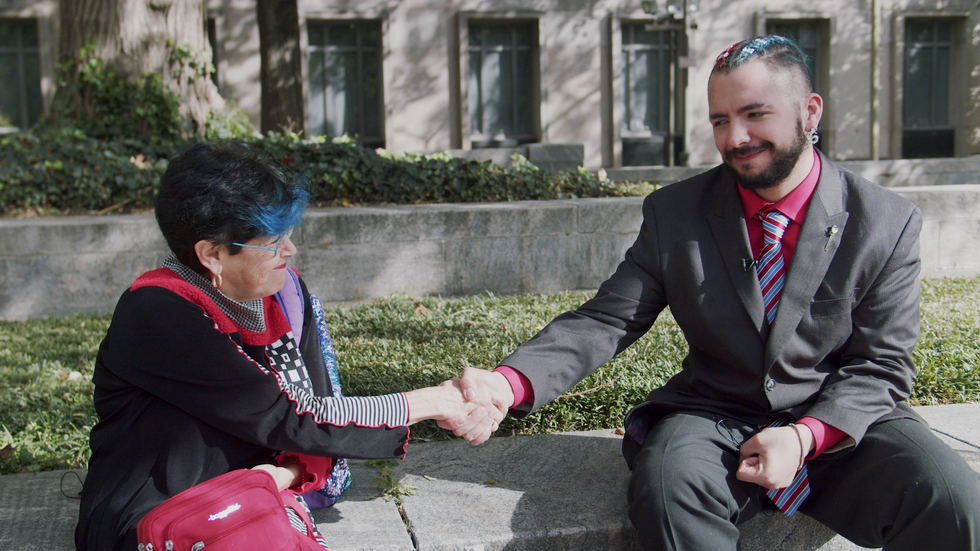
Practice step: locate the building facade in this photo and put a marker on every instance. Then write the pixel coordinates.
(625, 78)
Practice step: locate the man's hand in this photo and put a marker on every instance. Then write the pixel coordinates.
(482, 386)
(772, 457)
(445, 404)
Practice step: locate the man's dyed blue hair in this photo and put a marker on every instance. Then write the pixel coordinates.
(226, 194)
(777, 52)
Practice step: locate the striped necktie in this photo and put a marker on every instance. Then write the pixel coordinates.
(772, 267)
(789, 499)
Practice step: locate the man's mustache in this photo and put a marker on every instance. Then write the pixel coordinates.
(747, 150)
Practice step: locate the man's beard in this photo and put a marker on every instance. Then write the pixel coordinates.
(782, 164)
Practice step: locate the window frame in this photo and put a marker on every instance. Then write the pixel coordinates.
(309, 49)
(24, 92)
(461, 135)
(672, 101)
(627, 51)
(958, 84)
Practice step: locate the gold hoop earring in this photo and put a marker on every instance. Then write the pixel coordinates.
(216, 281)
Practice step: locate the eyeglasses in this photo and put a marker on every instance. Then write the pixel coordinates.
(273, 250)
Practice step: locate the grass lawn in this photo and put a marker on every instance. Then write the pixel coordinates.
(402, 343)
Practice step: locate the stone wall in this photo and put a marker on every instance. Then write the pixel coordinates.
(54, 266)
(889, 173)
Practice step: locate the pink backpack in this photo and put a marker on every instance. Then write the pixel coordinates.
(241, 510)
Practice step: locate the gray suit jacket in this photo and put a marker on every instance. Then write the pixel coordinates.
(839, 349)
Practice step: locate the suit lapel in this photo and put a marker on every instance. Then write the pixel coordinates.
(815, 249)
(727, 224)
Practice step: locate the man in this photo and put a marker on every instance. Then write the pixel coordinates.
(796, 285)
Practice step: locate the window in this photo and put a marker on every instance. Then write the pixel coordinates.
(807, 36)
(647, 64)
(926, 130)
(501, 83)
(346, 91)
(20, 73)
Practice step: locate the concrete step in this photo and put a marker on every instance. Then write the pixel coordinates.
(548, 492)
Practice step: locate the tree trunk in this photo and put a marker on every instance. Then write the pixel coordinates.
(135, 37)
(282, 68)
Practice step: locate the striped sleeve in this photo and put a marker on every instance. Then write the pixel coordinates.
(389, 410)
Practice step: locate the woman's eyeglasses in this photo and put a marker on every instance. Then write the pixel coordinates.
(273, 250)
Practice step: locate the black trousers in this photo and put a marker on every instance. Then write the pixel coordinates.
(900, 489)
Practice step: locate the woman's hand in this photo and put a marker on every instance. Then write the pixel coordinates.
(284, 476)
(445, 402)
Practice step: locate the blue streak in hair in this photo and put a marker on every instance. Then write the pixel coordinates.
(760, 46)
(275, 220)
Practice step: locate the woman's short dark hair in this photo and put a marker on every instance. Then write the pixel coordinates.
(226, 194)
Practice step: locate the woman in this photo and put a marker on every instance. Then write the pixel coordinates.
(214, 362)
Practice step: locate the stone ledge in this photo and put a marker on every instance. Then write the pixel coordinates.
(548, 492)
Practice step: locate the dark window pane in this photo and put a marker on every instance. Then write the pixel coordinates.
(32, 76)
(372, 93)
(924, 144)
(342, 35)
(476, 35)
(498, 35)
(370, 36)
(523, 35)
(645, 151)
(20, 73)
(524, 93)
(342, 94)
(318, 114)
(497, 88)
(28, 33)
(656, 108)
(315, 35)
(643, 36)
(643, 89)
(346, 89)
(919, 31)
(918, 87)
(647, 67)
(9, 90)
(9, 34)
(807, 36)
(927, 73)
(940, 113)
(927, 88)
(475, 86)
(500, 83)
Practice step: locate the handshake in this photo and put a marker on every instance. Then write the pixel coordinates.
(472, 406)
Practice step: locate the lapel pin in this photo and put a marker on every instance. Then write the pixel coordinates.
(831, 232)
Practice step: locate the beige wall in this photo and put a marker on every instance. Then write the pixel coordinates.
(580, 67)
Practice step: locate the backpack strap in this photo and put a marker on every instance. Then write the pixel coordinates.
(313, 540)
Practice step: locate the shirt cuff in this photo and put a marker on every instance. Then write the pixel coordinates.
(824, 435)
(521, 385)
(314, 470)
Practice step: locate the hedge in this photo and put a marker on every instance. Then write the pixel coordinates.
(56, 171)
